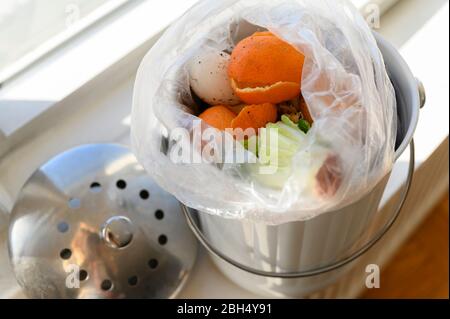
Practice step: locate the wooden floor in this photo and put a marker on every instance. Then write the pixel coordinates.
(420, 269)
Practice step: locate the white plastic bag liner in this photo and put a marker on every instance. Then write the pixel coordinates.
(345, 85)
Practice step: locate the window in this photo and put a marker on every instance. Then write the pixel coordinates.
(32, 28)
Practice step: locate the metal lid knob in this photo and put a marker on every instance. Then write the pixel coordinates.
(117, 232)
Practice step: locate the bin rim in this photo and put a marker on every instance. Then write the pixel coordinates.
(418, 97)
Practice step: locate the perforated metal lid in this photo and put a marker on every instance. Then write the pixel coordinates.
(91, 224)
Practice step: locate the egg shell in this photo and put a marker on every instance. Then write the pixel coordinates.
(208, 72)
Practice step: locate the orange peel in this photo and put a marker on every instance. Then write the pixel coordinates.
(255, 116)
(219, 117)
(265, 69)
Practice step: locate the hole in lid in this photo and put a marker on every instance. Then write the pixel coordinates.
(82, 275)
(121, 184)
(63, 227)
(65, 253)
(162, 239)
(133, 280)
(106, 285)
(159, 214)
(144, 194)
(96, 187)
(153, 263)
(74, 203)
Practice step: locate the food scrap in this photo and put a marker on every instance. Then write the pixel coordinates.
(219, 117)
(255, 116)
(208, 73)
(258, 86)
(260, 82)
(265, 69)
